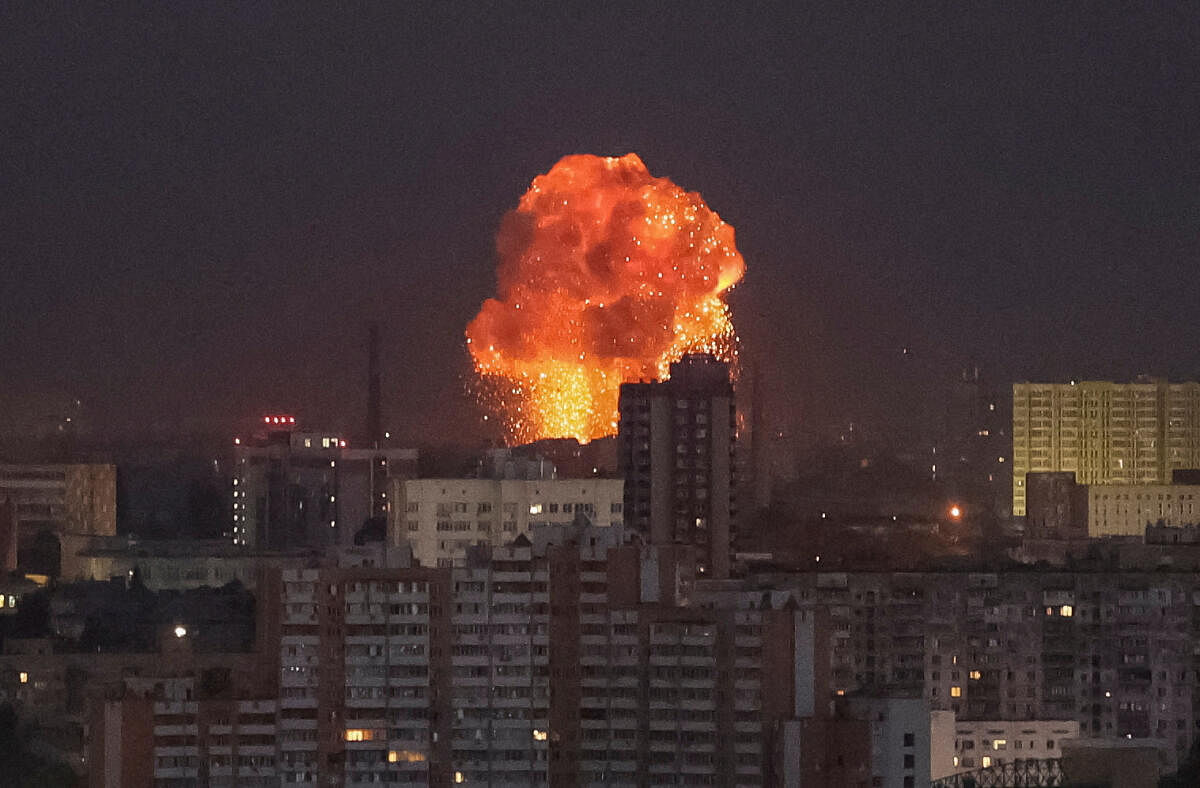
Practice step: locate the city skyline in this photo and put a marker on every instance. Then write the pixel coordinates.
(201, 223)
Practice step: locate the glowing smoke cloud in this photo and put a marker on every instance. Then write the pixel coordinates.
(607, 275)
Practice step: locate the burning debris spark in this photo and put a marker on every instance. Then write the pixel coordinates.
(607, 275)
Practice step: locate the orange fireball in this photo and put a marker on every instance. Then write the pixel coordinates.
(607, 274)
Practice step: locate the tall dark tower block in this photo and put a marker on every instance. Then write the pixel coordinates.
(675, 447)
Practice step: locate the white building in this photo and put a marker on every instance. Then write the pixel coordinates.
(440, 518)
(968, 745)
(1126, 510)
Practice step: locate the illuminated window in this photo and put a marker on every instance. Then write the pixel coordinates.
(1066, 611)
(986, 762)
(841, 692)
(540, 735)
(535, 508)
(458, 777)
(405, 756)
(956, 760)
(24, 677)
(956, 692)
(975, 675)
(359, 734)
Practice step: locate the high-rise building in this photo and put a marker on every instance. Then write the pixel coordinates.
(565, 664)
(294, 488)
(675, 447)
(1107, 433)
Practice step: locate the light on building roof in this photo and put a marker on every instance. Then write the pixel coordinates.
(180, 631)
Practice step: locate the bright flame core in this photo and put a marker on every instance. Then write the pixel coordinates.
(607, 275)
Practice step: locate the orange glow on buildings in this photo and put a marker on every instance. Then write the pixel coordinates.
(607, 274)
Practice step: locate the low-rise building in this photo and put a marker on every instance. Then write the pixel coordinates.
(441, 518)
(967, 745)
(296, 488)
(1059, 508)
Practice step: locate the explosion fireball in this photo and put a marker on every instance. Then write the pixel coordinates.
(607, 274)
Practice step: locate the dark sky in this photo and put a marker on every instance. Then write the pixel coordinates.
(202, 204)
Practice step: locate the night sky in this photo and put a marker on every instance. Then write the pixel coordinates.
(203, 204)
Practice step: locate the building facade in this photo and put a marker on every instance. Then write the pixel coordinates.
(1113, 651)
(439, 519)
(675, 448)
(295, 489)
(564, 665)
(1126, 510)
(968, 745)
(1105, 432)
(57, 506)
(1060, 508)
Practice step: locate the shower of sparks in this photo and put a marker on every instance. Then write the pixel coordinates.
(607, 274)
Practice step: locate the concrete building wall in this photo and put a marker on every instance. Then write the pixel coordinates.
(900, 739)
(295, 489)
(1107, 433)
(984, 744)
(1110, 650)
(676, 451)
(441, 518)
(1126, 510)
(1056, 506)
(78, 498)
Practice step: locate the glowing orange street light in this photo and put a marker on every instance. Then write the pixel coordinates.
(955, 512)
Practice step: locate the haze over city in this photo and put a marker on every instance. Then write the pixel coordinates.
(590, 395)
(204, 206)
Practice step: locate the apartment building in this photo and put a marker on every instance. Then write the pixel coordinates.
(1112, 651)
(900, 733)
(572, 663)
(960, 746)
(296, 488)
(1058, 507)
(439, 519)
(675, 448)
(1105, 432)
